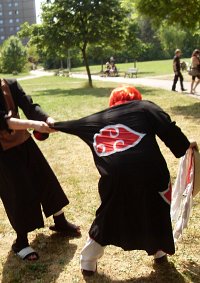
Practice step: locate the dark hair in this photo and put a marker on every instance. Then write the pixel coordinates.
(195, 52)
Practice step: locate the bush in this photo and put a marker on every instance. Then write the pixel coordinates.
(13, 55)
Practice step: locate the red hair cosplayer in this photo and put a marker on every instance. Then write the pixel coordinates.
(124, 94)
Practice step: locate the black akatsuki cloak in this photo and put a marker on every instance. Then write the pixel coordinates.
(26, 179)
(135, 183)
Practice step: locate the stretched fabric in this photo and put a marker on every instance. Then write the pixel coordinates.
(182, 193)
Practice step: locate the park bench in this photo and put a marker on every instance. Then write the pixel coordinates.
(131, 72)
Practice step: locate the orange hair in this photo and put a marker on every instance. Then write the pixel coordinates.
(124, 94)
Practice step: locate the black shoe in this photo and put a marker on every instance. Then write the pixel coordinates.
(87, 273)
(161, 260)
(174, 90)
(65, 227)
(184, 89)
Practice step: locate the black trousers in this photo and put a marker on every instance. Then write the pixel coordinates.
(28, 186)
(176, 76)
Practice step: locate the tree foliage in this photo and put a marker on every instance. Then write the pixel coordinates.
(185, 13)
(13, 55)
(95, 30)
(171, 39)
(133, 45)
(75, 23)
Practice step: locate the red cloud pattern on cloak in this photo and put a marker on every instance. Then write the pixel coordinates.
(166, 195)
(115, 138)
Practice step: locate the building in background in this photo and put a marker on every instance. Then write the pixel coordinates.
(13, 13)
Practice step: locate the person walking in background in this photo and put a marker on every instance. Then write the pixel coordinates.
(195, 70)
(177, 70)
(26, 180)
(134, 186)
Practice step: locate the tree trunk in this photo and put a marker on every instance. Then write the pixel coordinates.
(101, 65)
(87, 66)
(61, 64)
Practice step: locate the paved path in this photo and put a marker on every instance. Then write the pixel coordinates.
(36, 74)
(155, 82)
(151, 82)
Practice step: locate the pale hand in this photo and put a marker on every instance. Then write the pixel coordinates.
(193, 144)
(50, 121)
(41, 127)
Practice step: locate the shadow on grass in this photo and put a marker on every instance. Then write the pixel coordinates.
(55, 253)
(166, 273)
(86, 91)
(190, 111)
(98, 92)
(192, 271)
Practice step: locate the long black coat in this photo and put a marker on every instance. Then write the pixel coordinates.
(135, 183)
(26, 179)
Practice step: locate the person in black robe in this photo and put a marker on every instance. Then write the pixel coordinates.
(26, 180)
(134, 185)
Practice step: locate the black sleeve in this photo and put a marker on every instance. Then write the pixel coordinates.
(81, 128)
(31, 110)
(167, 130)
(3, 123)
(69, 127)
(85, 127)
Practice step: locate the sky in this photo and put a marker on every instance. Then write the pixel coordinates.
(37, 5)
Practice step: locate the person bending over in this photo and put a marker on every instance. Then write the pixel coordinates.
(134, 185)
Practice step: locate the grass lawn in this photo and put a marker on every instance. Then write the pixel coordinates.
(71, 159)
(146, 69)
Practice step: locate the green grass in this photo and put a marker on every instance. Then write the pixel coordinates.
(148, 68)
(63, 99)
(2, 75)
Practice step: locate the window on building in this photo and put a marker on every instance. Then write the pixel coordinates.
(17, 20)
(1, 29)
(11, 21)
(17, 28)
(10, 13)
(2, 37)
(16, 4)
(11, 28)
(1, 22)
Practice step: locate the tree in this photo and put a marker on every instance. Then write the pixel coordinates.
(171, 39)
(185, 13)
(13, 55)
(33, 56)
(148, 35)
(79, 23)
(133, 45)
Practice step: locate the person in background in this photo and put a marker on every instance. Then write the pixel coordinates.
(177, 70)
(195, 67)
(134, 187)
(26, 180)
(107, 69)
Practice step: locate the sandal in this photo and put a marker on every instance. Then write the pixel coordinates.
(69, 230)
(27, 253)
